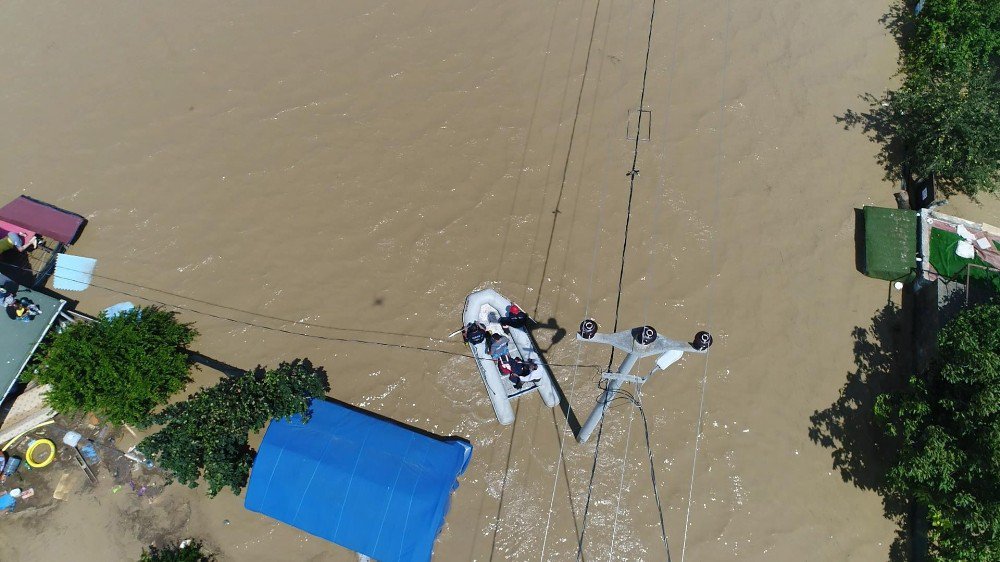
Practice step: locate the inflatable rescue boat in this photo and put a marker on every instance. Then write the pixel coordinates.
(487, 307)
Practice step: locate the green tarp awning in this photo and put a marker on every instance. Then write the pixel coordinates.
(890, 243)
(948, 264)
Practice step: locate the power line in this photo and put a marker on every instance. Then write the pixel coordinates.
(527, 141)
(633, 173)
(590, 490)
(569, 151)
(628, 218)
(621, 486)
(240, 310)
(590, 283)
(283, 330)
(712, 287)
(652, 474)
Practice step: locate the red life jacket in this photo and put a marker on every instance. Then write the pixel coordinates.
(504, 367)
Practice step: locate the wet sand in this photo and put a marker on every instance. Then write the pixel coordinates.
(363, 167)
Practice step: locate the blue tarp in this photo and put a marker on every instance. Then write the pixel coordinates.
(354, 478)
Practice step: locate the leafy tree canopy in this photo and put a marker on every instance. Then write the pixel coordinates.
(949, 424)
(207, 435)
(944, 120)
(950, 128)
(120, 368)
(952, 36)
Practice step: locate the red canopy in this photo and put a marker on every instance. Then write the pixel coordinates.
(52, 222)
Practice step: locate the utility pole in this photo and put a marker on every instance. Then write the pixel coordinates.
(637, 343)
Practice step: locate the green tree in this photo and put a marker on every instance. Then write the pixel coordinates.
(948, 126)
(207, 435)
(120, 368)
(951, 36)
(193, 552)
(949, 425)
(944, 120)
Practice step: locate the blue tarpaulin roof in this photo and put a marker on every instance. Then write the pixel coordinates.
(354, 478)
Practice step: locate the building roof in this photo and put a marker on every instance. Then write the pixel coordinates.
(18, 340)
(42, 218)
(357, 479)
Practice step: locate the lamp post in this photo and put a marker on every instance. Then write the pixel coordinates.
(637, 343)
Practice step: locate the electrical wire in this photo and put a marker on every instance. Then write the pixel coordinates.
(652, 474)
(290, 332)
(719, 155)
(234, 309)
(621, 486)
(590, 490)
(602, 198)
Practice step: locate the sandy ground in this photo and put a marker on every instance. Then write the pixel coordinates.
(363, 166)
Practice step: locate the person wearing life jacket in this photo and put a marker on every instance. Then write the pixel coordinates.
(474, 333)
(515, 318)
(523, 368)
(515, 369)
(497, 345)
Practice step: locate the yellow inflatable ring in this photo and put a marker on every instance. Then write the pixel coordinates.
(48, 460)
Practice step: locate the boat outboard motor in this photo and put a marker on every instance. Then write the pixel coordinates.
(644, 335)
(588, 328)
(475, 334)
(702, 341)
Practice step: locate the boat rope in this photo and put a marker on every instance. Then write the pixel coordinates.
(719, 156)
(621, 485)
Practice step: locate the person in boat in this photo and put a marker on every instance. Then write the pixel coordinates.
(16, 241)
(516, 369)
(474, 333)
(515, 318)
(497, 346)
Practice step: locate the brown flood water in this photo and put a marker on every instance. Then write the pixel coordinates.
(363, 166)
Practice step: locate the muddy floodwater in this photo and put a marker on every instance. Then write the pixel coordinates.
(352, 170)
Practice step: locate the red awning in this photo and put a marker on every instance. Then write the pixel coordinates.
(52, 222)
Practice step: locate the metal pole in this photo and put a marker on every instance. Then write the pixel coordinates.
(606, 398)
